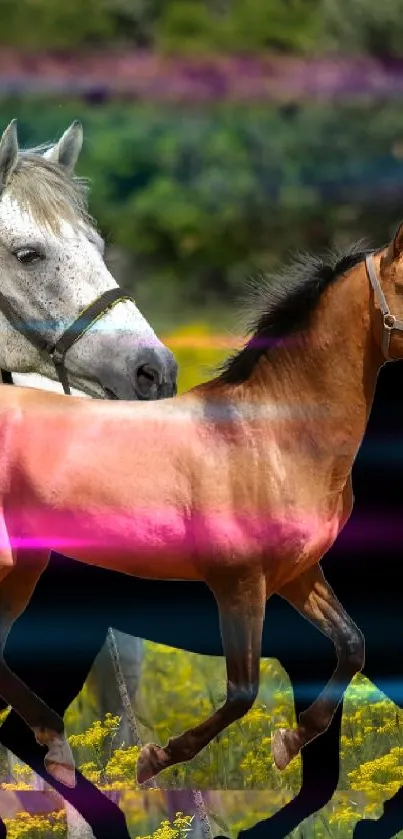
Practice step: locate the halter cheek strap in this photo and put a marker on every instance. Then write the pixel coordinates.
(389, 322)
(76, 330)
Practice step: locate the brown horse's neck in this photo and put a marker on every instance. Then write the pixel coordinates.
(329, 370)
(336, 361)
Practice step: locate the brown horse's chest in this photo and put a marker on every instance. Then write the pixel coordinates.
(306, 539)
(285, 543)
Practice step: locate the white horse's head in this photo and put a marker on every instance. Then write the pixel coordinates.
(52, 268)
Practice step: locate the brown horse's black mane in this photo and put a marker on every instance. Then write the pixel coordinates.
(284, 302)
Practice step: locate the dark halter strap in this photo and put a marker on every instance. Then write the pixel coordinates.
(57, 351)
(6, 377)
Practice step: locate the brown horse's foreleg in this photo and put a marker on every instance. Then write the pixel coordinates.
(241, 604)
(15, 592)
(312, 596)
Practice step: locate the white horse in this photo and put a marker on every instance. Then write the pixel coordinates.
(64, 322)
(62, 315)
(65, 153)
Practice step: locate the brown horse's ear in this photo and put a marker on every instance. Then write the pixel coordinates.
(397, 244)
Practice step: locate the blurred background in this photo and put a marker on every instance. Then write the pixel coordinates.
(219, 136)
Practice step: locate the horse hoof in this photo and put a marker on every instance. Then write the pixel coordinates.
(60, 772)
(150, 761)
(280, 749)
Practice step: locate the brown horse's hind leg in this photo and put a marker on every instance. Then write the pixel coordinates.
(313, 597)
(15, 593)
(241, 606)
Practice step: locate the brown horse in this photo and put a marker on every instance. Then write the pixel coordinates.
(243, 482)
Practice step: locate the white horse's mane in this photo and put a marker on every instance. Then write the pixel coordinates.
(51, 195)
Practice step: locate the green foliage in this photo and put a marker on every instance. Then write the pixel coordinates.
(179, 829)
(179, 688)
(364, 25)
(95, 741)
(204, 26)
(200, 198)
(78, 24)
(178, 25)
(27, 826)
(51, 24)
(238, 26)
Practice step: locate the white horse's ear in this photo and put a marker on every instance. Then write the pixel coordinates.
(67, 151)
(8, 152)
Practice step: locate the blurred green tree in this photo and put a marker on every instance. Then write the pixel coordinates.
(364, 26)
(238, 26)
(200, 198)
(49, 24)
(178, 25)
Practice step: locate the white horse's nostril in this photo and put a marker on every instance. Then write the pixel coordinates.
(150, 374)
(148, 379)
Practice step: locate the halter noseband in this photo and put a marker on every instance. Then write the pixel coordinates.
(389, 322)
(57, 351)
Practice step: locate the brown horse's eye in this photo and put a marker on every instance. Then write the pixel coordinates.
(28, 255)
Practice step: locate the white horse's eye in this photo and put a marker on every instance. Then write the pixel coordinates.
(28, 255)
